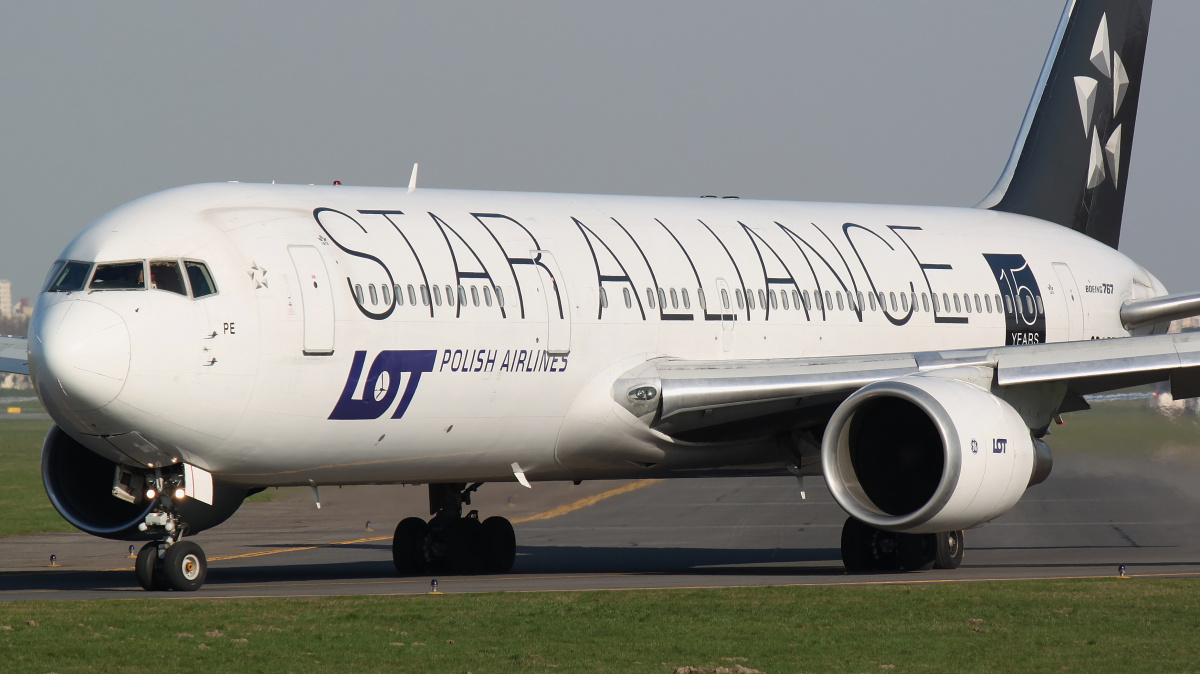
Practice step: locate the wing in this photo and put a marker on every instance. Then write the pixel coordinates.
(14, 356)
(685, 395)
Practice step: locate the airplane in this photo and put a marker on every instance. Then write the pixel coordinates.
(207, 342)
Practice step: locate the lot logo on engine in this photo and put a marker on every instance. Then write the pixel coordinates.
(382, 384)
(999, 446)
(1024, 313)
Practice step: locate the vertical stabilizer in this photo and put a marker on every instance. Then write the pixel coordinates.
(1070, 164)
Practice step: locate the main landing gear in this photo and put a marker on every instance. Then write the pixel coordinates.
(865, 548)
(169, 563)
(451, 542)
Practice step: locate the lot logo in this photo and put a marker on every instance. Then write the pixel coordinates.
(1024, 313)
(999, 445)
(382, 384)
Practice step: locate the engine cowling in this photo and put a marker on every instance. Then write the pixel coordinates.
(79, 483)
(922, 454)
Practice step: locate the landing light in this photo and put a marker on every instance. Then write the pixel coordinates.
(180, 493)
(150, 494)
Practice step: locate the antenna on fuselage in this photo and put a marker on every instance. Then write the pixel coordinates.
(412, 181)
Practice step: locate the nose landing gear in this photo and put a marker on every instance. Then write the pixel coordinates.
(451, 542)
(170, 563)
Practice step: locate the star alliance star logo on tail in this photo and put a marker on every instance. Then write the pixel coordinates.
(1110, 67)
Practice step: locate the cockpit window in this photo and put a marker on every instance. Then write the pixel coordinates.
(201, 280)
(67, 276)
(119, 276)
(164, 275)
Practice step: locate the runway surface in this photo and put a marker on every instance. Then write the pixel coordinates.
(1093, 514)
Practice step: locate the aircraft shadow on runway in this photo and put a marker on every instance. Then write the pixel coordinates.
(531, 561)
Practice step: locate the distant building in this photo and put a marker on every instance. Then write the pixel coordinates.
(23, 308)
(6, 302)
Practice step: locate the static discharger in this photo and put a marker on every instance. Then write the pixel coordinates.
(520, 475)
(412, 180)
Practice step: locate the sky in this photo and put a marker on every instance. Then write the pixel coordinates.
(861, 100)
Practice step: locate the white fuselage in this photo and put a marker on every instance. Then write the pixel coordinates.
(269, 381)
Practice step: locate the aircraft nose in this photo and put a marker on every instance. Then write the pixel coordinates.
(79, 354)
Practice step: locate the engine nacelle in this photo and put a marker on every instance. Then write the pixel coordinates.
(79, 483)
(922, 454)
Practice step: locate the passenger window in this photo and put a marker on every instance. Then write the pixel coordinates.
(437, 296)
(783, 296)
(737, 295)
(1008, 306)
(762, 299)
(1028, 304)
(387, 294)
(462, 296)
(1040, 308)
(978, 304)
(957, 306)
(872, 298)
(925, 301)
(628, 299)
(795, 298)
(374, 295)
(687, 303)
(700, 298)
(358, 294)
(936, 308)
(499, 295)
(967, 302)
(828, 301)
(164, 275)
(650, 297)
(662, 299)
(914, 300)
(904, 302)
(946, 302)
(750, 298)
(820, 302)
(123, 276)
(449, 296)
(674, 299)
(474, 296)
(838, 295)
(807, 301)
(987, 301)
(603, 298)
(68, 276)
(424, 294)
(725, 298)
(487, 295)
(892, 296)
(201, 281)
(998, 304)
(412, 295)
(860, 300)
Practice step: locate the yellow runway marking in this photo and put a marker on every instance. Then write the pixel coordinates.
(585, 502)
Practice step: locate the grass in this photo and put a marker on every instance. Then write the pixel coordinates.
(1112, 625)
(22, 497)
(1128, 428)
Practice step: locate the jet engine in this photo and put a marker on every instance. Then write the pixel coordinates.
(79, 483)
(924, 454)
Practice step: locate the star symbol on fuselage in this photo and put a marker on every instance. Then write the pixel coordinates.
(258, 275)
